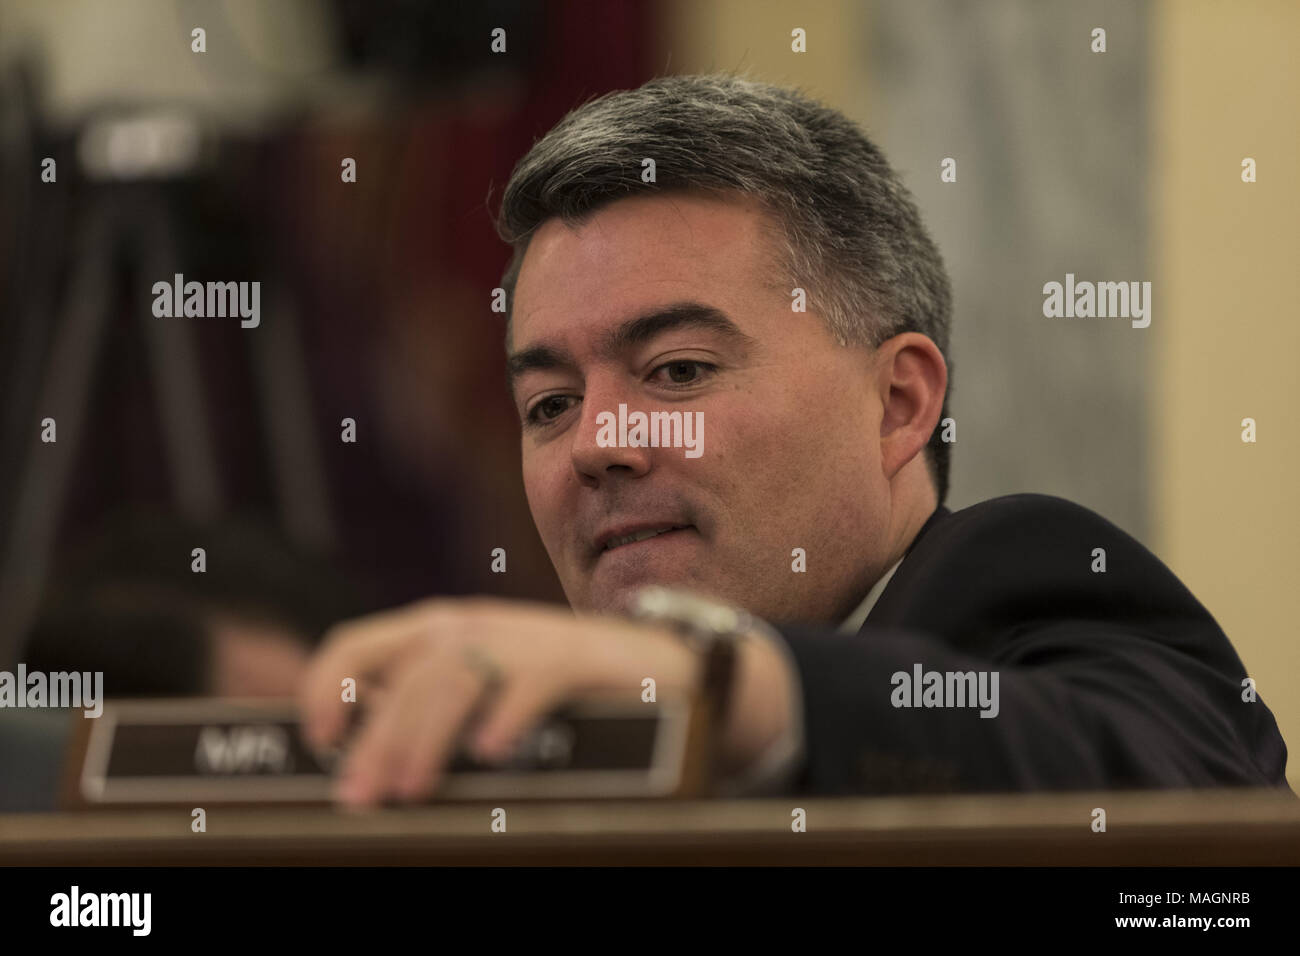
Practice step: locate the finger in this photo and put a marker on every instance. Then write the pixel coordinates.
(433, 744)
(520, 705)
(399, 751)
(357, 649)
(360, 779)
(326, 712)
(370, 697)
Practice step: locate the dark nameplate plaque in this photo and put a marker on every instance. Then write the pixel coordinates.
(195, 751)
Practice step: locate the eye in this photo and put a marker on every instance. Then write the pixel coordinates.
(550, 408)
(686, 371)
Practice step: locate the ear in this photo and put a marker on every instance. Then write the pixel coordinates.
(913, 378)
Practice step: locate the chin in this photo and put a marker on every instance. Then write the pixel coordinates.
(611, 600)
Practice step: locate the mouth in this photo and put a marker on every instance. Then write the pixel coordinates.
(611, 541)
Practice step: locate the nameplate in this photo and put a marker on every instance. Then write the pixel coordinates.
(199, 751)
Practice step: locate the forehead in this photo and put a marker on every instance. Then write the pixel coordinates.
(641, 252)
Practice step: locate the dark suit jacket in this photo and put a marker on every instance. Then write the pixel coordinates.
(1106, 680)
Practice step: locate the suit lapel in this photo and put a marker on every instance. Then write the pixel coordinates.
(892, 604)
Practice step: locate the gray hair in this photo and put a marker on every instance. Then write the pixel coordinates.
(848, 229)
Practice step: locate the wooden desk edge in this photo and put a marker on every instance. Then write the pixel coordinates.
(1168, 828)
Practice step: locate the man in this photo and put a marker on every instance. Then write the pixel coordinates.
(664, 241)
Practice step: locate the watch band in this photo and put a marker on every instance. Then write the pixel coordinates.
(717, 679)
(713, 631)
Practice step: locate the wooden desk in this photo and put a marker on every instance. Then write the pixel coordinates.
(1210, 828)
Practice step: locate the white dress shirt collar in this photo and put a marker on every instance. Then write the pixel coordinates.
(853, 623)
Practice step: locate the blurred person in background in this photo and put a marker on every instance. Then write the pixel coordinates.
(127, 603)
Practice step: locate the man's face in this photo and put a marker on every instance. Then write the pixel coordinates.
(673, 303)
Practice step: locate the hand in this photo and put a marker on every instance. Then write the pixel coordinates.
(420, 676)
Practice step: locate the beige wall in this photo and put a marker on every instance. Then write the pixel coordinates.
(753, 36)
(1226, 79)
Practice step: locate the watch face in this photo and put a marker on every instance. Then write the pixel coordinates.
(699, 613)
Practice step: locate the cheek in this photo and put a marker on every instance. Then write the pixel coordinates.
(533, 489)
(755, 460)
(544, 478)
(766, 447)
(765, 438)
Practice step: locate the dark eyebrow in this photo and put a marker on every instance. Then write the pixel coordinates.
(635, 331)
(536, 358)
(680, 315)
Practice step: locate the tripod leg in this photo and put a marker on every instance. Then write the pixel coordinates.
(285, 391)
(63, 396)
(177, 375)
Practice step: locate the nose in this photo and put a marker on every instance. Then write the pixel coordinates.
(599, 444)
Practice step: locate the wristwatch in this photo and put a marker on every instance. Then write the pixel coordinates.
(713, 630)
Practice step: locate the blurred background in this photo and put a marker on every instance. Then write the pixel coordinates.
(375, 295)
